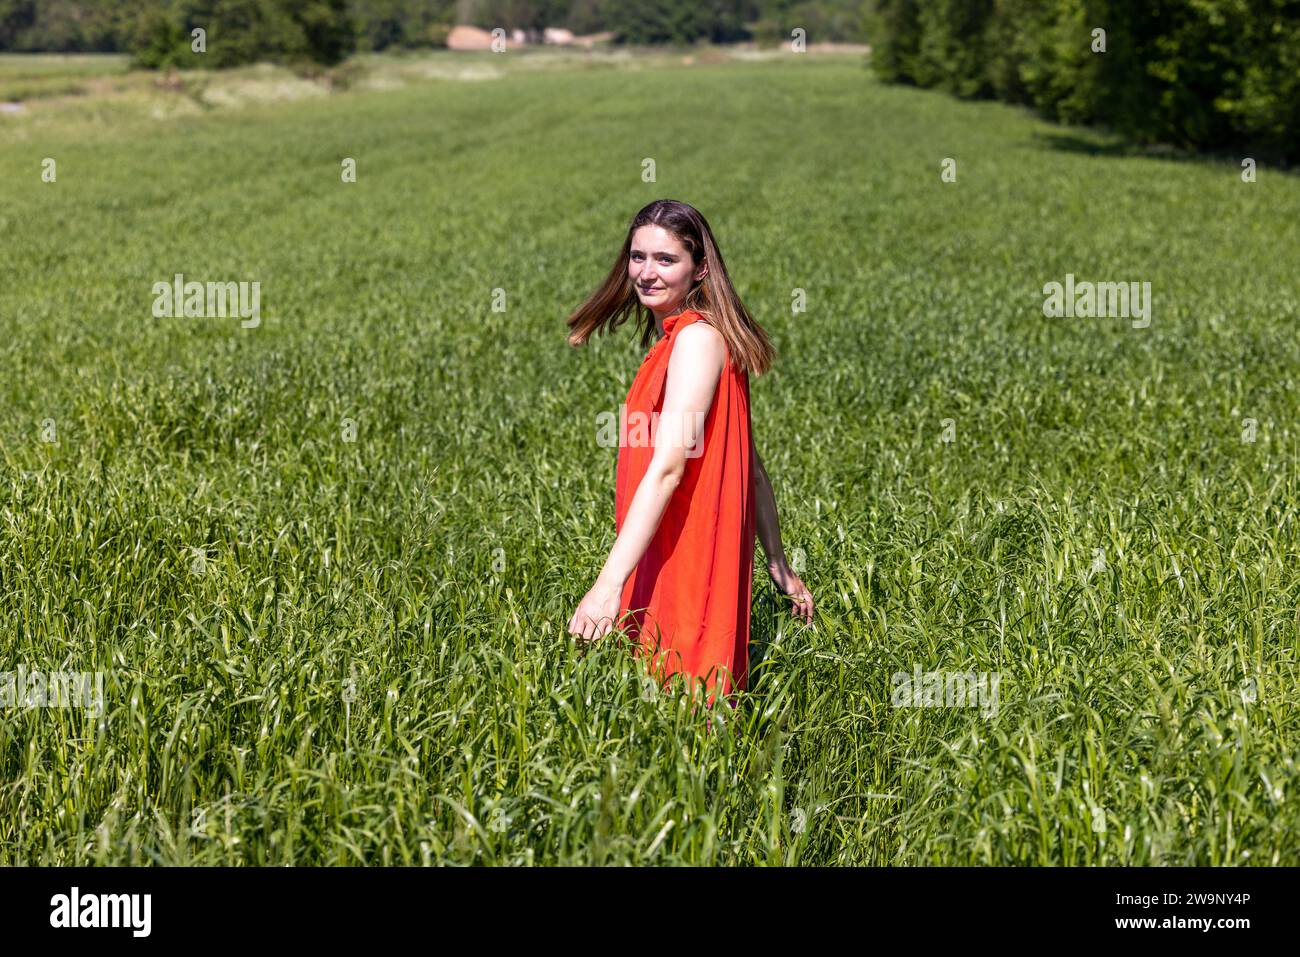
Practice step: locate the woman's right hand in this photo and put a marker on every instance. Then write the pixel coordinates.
(792, 586)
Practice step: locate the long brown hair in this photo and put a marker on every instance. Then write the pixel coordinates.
(713, 297)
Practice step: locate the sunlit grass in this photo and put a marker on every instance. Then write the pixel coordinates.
(1098, 531)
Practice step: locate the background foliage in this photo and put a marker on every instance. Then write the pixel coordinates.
(1203, 74)
(324, 30)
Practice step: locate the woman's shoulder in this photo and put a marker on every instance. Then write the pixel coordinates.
(700, 332)
(704, 326)
(696, 318)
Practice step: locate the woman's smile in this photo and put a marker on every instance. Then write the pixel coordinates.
(662, 269)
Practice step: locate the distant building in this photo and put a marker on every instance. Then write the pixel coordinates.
(464, 37)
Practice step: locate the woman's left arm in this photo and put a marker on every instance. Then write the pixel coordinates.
(769, 536)
(694, 369)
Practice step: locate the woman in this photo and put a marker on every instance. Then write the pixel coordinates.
(690, 488)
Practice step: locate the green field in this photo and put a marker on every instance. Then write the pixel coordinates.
(203, 532)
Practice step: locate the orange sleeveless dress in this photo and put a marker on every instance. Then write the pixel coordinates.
(687, 602)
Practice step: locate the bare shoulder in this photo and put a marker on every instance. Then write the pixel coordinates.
(699, 356)
(703, 339)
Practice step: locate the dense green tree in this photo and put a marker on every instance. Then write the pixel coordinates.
(16, 17)
(894, 29)
(245, 31)
(382, 24)
(1209, 74)
(85, 26)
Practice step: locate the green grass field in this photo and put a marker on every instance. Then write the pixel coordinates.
(182, 509)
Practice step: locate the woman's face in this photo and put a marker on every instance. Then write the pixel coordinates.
(660, 268)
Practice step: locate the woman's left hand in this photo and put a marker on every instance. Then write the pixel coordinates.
(792, 587)
(597, 612)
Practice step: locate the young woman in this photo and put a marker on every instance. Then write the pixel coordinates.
(691, 488)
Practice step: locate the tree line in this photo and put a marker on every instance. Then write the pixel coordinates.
(160, 32)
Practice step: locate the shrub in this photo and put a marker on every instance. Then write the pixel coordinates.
(295, 32)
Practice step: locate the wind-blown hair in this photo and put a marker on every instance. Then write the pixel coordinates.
(713, 297)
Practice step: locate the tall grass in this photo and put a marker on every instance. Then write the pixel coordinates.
(323, 651)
